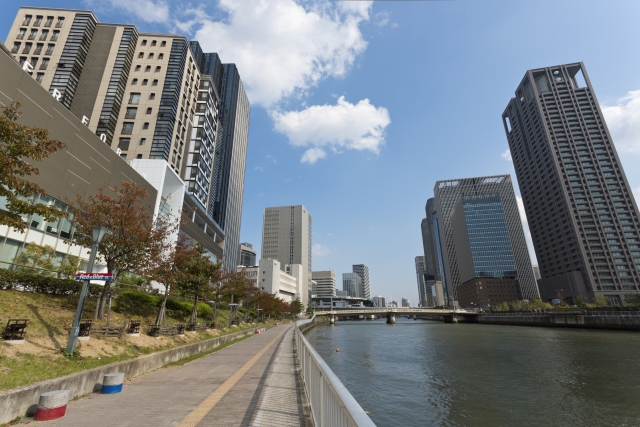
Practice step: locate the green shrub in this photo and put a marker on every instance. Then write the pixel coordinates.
(184, 308)
(137, 303)
(25, 281)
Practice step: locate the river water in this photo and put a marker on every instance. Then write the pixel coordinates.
(424, 373)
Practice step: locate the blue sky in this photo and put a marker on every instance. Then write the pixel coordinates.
(358, 107)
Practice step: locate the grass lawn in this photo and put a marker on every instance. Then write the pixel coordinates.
(50, 317)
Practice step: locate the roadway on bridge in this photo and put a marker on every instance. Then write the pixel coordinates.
(254, 382)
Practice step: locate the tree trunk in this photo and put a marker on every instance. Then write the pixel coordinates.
(103, 299)
(194, 312)
(215, 312)
(246, 314)
(163, 309)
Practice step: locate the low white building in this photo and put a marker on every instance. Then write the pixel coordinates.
(268, 276)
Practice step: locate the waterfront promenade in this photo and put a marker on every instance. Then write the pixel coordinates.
(255, 382)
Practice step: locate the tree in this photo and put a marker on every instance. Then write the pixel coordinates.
(235, 288)
(296, 307)
(632, 300)
(169, 268)
(601, 301)
(20, 147)
(43, 260)
(134, 236)
(198, 276)
(581, 302)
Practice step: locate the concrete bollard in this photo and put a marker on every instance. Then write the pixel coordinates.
(112, 383)
(52, 405)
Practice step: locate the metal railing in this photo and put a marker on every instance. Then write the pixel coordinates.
(331, 403)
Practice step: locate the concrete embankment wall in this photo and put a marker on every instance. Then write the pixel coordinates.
(619, 321)
(24, 400)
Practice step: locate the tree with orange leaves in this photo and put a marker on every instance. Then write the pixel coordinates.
(135, 237)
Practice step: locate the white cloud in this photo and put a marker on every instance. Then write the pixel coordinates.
(312, 155)
(259, 168)
(284, 48)
(320, 250)
(344, 125)
(623, 120)
(527, 232)
(148, 10)
(507, 155)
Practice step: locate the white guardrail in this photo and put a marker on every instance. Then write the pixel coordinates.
(331, 403)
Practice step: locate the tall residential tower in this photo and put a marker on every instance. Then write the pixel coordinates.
(362, 271)
(581, 211)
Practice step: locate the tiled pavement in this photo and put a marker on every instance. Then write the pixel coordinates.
(270, 393)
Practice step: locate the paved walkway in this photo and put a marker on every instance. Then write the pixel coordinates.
(254, 382)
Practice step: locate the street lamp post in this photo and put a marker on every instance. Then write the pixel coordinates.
(97, 233)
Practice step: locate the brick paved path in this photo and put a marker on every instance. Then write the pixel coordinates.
(210, 391)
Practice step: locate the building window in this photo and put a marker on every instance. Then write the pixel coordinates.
(60, 22)
(123, 144)
(134, 98)
(149, 110)
(127, 128)
(138, 67)
(134, 82)
(40, 77)
(27, 20)
(27, 48)
(49, 21)
(153, 43)
(143, 141)
(38, 21)
(152, 96)
(131, 113)
(123, 156)
(151, 55)
(145, 126)
(161, 56)
(155, 82)
(55, 36)
(39, 48)
(147, 68)
(144, 82)
(144, 42)
(16, 47)
(158, 69)
(44, 64)
(50, 49)
(139, 156)
(33, 35)
(141, 55)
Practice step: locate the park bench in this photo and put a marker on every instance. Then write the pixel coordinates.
(134, 327)
(15, 329)
(108, 331)
(156, 331)
(85, 328)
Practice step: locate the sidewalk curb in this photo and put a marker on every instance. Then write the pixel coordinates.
(23, 401)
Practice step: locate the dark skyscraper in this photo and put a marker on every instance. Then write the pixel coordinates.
(231, 150)
(581, 211)
(448, 195)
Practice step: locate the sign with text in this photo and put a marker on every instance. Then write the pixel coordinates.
(94, 276)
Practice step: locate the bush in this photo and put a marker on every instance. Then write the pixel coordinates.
(29, 282)
(184, 308)
(137, 303)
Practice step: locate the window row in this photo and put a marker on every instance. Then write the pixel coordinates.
(33, 35)
(37, 51)
(39, 18)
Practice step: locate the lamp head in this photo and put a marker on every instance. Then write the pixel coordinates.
(97, 234)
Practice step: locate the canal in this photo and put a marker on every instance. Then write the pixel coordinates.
(423, 373)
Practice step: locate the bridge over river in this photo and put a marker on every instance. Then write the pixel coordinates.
(449, 315)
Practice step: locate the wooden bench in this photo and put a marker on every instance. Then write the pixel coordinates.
(156, 331)
(84, 328)
(15, 330)
(108, 331)
(134, 327)
(193, 327)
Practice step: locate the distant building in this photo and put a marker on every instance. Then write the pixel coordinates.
(487, 291)
(325, 283)
(270, 278)
(477, 203)
(392, 304)
(286, 236)
(406, 303)
(379, 301)
(424, 294)
(351, 284)
(365, 287)
(246, 255)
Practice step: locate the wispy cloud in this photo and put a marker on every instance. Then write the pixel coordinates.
(623, 120)
(507, 155)
(320, 250)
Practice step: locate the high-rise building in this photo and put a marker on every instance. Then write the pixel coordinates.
(362, 270)
(406, 303)
(379, 301)
(286, 237)
(433, 251)
(351, 284)
(448, 194)
(155, 99)
(536, 272)
(270, 277)
(424, 294)
(246, 255)
(580, 208)
(325, 283)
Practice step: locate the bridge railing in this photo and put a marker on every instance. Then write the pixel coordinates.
(331, 403)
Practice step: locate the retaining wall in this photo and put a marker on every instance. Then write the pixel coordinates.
(630, 322)
(24, 400)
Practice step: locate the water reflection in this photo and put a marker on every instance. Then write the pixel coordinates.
(419, 373)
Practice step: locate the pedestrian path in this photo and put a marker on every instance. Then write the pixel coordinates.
(254, 382)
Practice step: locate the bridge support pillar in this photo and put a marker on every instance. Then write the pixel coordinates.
(391, 319)
(452, 318)
(332, 319)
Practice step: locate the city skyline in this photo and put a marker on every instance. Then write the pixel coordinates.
(435, 86)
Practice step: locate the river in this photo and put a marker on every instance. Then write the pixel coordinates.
(424, 373)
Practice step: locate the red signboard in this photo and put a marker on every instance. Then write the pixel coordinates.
(94, 276)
